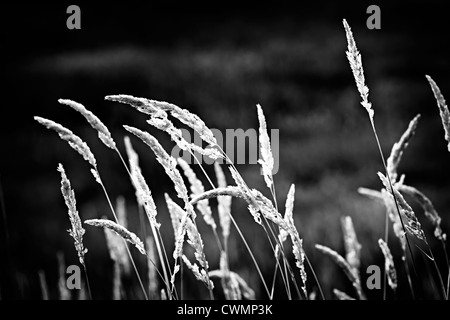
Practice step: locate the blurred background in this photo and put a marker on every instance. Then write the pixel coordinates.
(218, 61)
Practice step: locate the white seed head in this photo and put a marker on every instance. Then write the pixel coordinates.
(74, 141)
(94, 121)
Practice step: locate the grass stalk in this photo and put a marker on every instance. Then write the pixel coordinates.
(156, 235)
(126, 244)
(393, 194)
(240, 233)
(216, 236)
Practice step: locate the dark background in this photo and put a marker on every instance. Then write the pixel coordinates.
(217, 60)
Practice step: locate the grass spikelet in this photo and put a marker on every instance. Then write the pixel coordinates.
(161, 155)
(340, 295)
(256, 201)
(197, 188)
(289, 211)
(94, 121)
(288, 217)
(169, 165)
(428, 208)
(265, 206)
(372, 194)
(223, 203)
(199, 275)
(159, 108)
(190, 119)
(77, 230)
(266, 159)
(388, 264)
(299, 255)
(179, 236)
(413, 225)
(196, 242)
(141, 104)
(74, 141)
(297, 246)
(345, 266)
(121, 231)
(143, 193)
(354, 58)
(443, 109)
(399, 147)
(352, 246)
(175, 211)
(229, 191)
(168, 162)
(164, 124)
(133, 160)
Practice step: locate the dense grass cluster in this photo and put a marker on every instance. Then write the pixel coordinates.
(172, 259)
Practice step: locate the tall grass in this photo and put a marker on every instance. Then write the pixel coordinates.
(291, 266)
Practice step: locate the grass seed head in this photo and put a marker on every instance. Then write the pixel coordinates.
(143, 193)
(412, 223)
(345, 266)
(141, 104)
(399, 147)
(74, 141)
(266, 159)
(190, 119)
(197, 188)
(200, 275)
(354, 58)
(443, 109)
(77, 232)
(196, 242)
(352, 246)
(94, 121)
(388, 264)
(168, 162)
(428, 208)
(120, 230)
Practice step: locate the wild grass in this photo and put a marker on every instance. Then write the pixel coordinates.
(166, 274)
